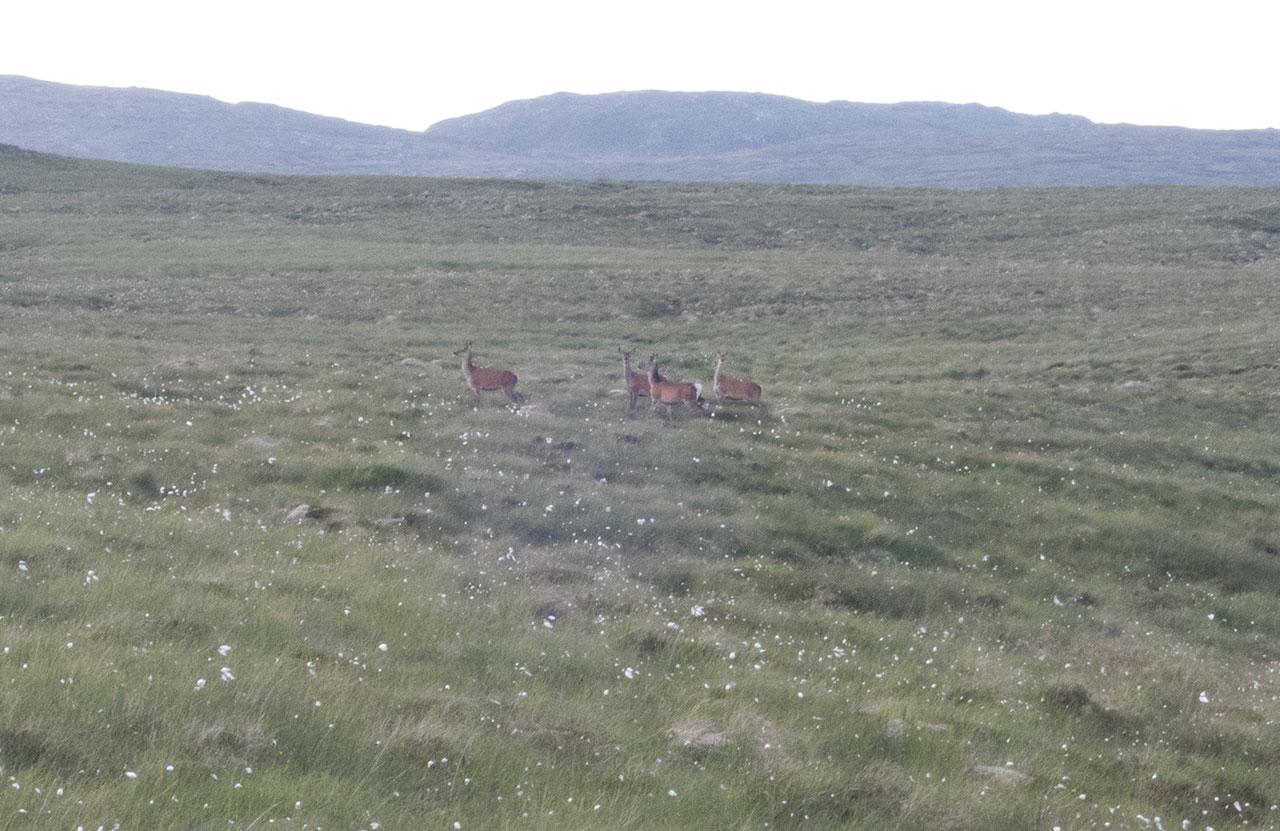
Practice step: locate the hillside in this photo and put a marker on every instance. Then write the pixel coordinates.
(1000, 552)
(710, 136)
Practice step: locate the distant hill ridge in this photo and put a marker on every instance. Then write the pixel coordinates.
(660, 124)
(682, 136)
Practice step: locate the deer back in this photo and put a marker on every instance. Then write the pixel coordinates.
(491, 379)
(669, 392)
(738, 387)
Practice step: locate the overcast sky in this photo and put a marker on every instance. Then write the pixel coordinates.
(411, 64)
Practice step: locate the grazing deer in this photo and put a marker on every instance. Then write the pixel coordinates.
(481, 379)
(637, 382)
(671, 392)
(728, 387)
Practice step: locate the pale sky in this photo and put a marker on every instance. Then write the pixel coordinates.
(411, 64)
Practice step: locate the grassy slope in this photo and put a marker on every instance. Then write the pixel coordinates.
(1012, 505)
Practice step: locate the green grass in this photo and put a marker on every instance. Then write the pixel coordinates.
(1012, 505)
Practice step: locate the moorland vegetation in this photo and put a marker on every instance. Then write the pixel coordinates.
(1002, 550)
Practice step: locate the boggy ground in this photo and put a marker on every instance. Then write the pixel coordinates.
(1000, 552)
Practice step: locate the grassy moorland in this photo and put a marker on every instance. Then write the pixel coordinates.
(1003, 552)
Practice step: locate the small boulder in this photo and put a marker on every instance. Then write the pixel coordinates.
(1001, 775)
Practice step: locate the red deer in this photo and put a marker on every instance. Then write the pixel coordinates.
(671, 392)
(637, 382)
(728, 387)
(480, 379)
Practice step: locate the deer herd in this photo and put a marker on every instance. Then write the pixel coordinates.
(647, 383)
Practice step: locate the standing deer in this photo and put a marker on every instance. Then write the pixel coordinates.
(671, 392)
(481, 379)
(637, 382)
(729, 387)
